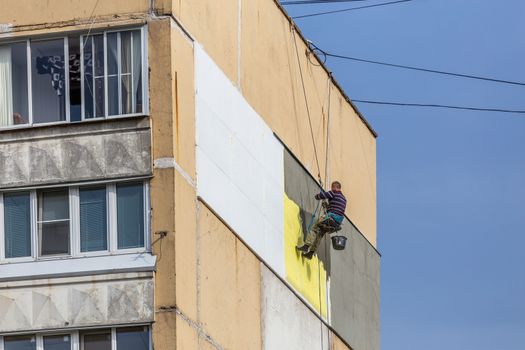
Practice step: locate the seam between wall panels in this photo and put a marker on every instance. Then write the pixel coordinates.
(196, 326)
(170, 163)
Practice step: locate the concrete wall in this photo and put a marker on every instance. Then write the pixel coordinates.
(76, 302)
(287, 322)
(354, 291)
(80, 152)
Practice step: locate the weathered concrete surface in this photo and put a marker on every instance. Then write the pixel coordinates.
(287, 322)
(76, 302)
(75, 152)
(354, 291)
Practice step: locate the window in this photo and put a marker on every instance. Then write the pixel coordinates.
(57, 342)
(48, 85)
(73, 78)
(74, 221)
(93, 221)
(53, 222)
(128, 338)
(25, 342)
(100, 340)
(134, 338)
(14, 108)
(17, 225)
(130, 218)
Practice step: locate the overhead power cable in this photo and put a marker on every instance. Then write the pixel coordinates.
(349, 9)
(403, 104)
(308, 2)
(420, 69)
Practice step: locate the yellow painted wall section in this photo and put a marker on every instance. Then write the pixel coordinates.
(308, 277)
(230, 286)
(33, 12)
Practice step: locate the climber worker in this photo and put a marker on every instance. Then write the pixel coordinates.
(329, 223)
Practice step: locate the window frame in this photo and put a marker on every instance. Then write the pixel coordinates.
(75, 338)
(81, 35)
(74, 222)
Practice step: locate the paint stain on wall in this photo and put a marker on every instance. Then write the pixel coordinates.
(308, 277)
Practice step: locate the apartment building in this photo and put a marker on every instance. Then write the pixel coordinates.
(158, 163)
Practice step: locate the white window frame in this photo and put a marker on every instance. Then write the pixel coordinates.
(65, 37)
(74, 226)
(74, 336)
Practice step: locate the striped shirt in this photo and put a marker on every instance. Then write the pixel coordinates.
(336, 201)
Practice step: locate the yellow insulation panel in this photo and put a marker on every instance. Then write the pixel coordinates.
(308, 277)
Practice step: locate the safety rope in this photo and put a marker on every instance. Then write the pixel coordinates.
(328, 128)
(307, 106)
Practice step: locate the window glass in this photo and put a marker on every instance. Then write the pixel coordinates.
(53, 221)
(133, 338)
(112, 46)
(26, 342)
(137, 71)
(96, 340)
(130, 215)
(87, 62)
(17, 225)
(100, 92)
(48, 81)
(126, 72)
(75, 92)
(13, 84)
(57, 342)
(93, 221)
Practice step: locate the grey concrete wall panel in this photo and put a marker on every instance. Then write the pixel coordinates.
(354, 272)
(354, 291)
(287, 322)
(75, 152)
(76, 302)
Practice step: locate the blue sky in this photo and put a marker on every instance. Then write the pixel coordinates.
(451, 184)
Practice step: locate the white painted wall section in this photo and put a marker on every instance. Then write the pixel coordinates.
(240, 168)
(287, 322)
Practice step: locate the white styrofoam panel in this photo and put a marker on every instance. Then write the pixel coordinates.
(233, 206)
(240, 169)
(287, 322)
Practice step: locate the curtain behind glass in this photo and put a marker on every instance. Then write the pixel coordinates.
(17, 225)
(130, 216)
(6, 89)
(93, 223)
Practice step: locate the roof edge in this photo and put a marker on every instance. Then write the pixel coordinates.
(322, 64)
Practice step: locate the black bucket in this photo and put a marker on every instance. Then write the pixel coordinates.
(338, 242)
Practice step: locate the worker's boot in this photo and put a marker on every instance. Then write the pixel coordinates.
(304, 248)
(308, 255)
